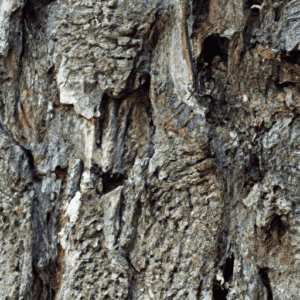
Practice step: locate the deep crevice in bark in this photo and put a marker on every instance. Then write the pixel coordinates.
(102, 109)
(218, 292)
(253, 172)
(277, 14)
(214, 54)
(228, 268)
(253, 21)
(263, 273)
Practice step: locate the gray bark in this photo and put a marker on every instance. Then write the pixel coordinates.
(149, 149)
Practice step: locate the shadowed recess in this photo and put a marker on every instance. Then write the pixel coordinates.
(213, 46)
(111, 182)
(218, 292)
(276, 226)
(32, 7)
(200, 11)
(228, 268)
(263, 273)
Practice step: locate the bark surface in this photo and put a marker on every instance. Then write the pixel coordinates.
(149, 149)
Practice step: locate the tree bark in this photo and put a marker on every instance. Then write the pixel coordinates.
(149, 149)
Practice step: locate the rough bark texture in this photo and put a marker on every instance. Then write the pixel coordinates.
(149, 149)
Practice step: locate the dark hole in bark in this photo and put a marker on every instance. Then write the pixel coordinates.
(292, 57)
(31, 164)
(278, 226)
(112, 181)
(30, 158)
(103, 108)
(252, 171)
(17, 268)
(277, 14)
(255, 11)
(61, 173)
(51, 75)
(218, 292)
(145, 80)
(263, 273)
(228, 268)
(199, 290)
(254, 161)
(213, 46)
(32, 7)
(276, 188)
(48, 218)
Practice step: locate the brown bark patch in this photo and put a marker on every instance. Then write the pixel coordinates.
(266, 52)
(184, 36)
(12, 64)
(25, 116)
(60, 265)
(289, 73)
(77, 226)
